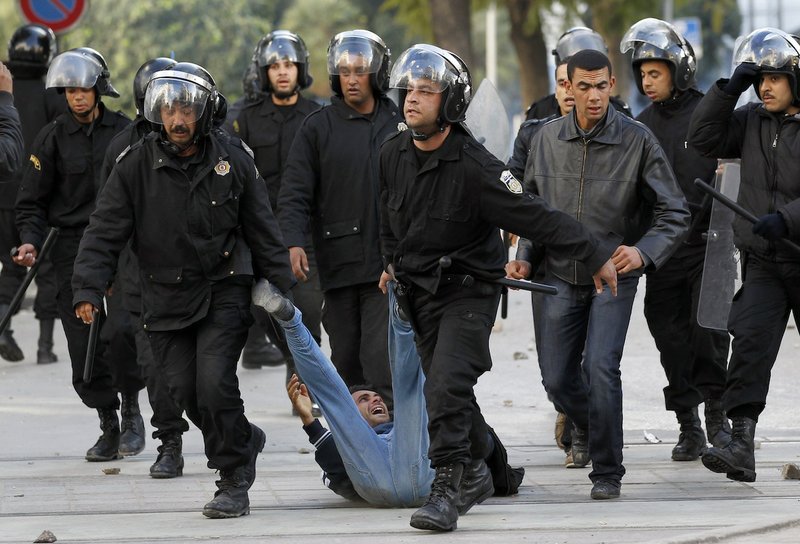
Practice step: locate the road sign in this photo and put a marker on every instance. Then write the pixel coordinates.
(692, 30)
(60, 15)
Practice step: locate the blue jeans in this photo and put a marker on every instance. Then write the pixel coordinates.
(580, 337)
(390, 469)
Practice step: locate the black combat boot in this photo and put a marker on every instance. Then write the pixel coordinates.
(258, 351)
(580, 448)
(169, 463)
(692, 440)
(131, 441)
(736, 460)
(107, 446)
(476, 486)
(9, 349)
(256, 446)
(717, 427)
(231, 499)
(440, 513)
(45, 355)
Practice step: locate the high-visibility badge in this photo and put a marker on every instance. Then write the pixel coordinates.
(36, 163)
(222, 168)
(511, 183)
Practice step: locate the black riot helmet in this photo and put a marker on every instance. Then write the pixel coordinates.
(773, 51)
(185, 84)
(364, 50)
(33, 45)
(143, 75)
(577, 39)
(654, 39)
(251, 82)
(282, 45)
(83, 67)
(441, 71)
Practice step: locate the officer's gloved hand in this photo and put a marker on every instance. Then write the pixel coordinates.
(745, 75)
(771, 226)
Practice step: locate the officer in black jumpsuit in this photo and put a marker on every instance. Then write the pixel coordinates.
(268, 125)
(58, 189)
(443, 194)
(196, 209)
(30, 51)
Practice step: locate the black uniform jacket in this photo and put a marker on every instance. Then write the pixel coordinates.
(12, 146)
(769, 146)
(58, 188)
(331, 179)
(669, 121)
(36, 107)
(188, 233)
(269, 131)
(452, 207)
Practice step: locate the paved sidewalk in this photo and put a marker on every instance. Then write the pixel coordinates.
(46, 484)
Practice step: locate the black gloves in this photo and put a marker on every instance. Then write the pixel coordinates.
(745, 75)
(771, 226)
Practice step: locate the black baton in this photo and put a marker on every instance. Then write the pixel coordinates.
(733, 205)
(20, 294)
(93, 330)
(525, 285)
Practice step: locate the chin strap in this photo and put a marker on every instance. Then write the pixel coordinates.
(172, 148)
(421, 137)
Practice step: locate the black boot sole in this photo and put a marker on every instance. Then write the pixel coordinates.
(219, 514)
(430, 525)
(716, 464)
(167, 475)
(100, 458)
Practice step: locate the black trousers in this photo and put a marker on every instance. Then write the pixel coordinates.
(357, 321)
(167, 416)
(11, 276)
(99, 392)
(694, 358)
(199, 365)
(120, 347)
(757, 322)
(453, 342)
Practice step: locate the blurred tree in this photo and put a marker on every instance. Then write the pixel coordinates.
(721, 24)
(528, 40)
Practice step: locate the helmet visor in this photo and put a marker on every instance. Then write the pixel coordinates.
(280, 48)
(354, 53)
(768, 48)
(73, 69)
(650, 31)
(577, 40)
(167, 98)
(422, 69)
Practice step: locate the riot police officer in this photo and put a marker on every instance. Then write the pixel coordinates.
(193, 203)
(58, 190)
(570, 42)
(766, 137)
(30, 51)
(443, 195)
(330, 181)
(268, 126)
(694, 358)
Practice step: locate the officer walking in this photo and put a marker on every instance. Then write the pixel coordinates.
(30, 51)
(124, 328)
(268, 126)
(331, 182)
(58, 190)
(766, 136)
(443, 195)
(195, 207)
(694, 358)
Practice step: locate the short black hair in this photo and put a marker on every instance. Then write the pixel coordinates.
(362, 387)
(589, 60)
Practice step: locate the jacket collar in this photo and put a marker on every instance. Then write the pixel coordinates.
(268, 107)
(609, 133)
(74, 126)
(450, 150)
(212, 154)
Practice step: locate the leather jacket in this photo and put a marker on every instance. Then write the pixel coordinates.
(616, 180)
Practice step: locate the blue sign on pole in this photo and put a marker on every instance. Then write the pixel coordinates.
(60, 15)
(692, 30)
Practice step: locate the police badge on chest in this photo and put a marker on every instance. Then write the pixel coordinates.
(511, 183)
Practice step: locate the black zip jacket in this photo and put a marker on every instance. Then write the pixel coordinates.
(331, 181)
(768, 145)
(669, 121)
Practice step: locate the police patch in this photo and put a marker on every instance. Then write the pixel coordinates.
(36, 163)
(222, 168)
(511, 183)
(401, 126)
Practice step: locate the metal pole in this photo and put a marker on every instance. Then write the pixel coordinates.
(491, 43)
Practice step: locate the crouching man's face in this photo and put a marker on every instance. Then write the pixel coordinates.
(372, 407)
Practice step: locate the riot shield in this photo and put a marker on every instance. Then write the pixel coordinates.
(720, 271)
(487, 121)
